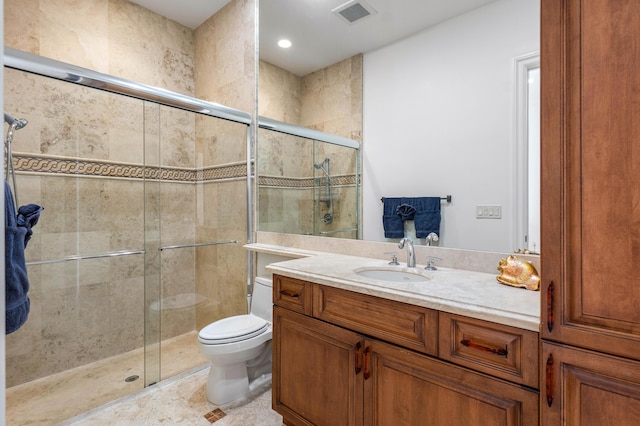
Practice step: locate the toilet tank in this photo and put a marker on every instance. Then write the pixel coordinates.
(262, 299)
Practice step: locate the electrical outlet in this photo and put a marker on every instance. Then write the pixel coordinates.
(488, 212)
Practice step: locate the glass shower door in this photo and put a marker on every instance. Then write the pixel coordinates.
(85, 261)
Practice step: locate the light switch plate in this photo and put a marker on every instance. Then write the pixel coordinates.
(488, 212)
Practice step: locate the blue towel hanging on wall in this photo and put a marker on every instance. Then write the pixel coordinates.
(427, 216)
(17, 232)
(424, 211)
(391, 221)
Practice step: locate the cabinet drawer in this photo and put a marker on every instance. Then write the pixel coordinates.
(292, 294)
(502, 351)
(410, 326)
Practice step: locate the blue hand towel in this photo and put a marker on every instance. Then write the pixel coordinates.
(427, 216)
(393, 226)
(17, 233)
(391, 221)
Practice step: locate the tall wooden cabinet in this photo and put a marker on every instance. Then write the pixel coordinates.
(590, 364)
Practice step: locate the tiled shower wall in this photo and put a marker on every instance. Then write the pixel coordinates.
(328, 100)
(86, 152)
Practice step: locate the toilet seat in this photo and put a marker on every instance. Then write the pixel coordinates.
(233, 329)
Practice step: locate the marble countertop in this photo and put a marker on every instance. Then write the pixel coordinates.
(473, 294)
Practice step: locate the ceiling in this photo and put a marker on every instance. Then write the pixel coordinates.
(321, 38)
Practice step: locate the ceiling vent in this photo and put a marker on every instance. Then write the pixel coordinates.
(354, 10)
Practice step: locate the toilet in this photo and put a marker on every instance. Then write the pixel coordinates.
(238, 348)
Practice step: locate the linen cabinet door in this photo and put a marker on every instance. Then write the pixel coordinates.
(587, 388)
(404, 388)
(317, 378)
(590, 155)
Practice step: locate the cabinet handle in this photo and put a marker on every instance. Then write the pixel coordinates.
(549, 380)
(367, 373)
(358, 357)
(550, 303)
(484, 348)
(290, 293)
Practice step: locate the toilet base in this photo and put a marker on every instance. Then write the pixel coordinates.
(228, 382)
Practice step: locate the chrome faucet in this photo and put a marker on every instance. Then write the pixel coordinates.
(411, 255)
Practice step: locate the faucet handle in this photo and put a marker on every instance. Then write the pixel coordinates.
(432, 238)
(430, 260)
(394, 257)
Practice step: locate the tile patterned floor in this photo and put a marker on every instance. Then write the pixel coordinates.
(181, 401)
(71, 397)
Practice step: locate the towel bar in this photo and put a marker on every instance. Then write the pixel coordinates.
(448, 198)
(90, 256)
(213, 243)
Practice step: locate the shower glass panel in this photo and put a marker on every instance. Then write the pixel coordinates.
(81, 157)
(336, 195)
(139, 245)
(285, 183)
(306, 186)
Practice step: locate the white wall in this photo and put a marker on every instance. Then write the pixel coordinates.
(439, 120)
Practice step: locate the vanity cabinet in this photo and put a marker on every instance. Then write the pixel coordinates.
(589, 212)
(317, 378)
(356, 359)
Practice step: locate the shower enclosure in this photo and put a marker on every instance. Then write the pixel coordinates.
(146, 207)
(308, 181)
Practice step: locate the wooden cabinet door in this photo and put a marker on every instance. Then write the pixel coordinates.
(403, 388)
(586, 388)
(317, 377)
(590, 210)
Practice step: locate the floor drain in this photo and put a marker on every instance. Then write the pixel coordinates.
(132, 378)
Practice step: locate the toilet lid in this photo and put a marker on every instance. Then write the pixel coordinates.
(233, 329)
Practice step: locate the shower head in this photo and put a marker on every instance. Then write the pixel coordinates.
(17, 123)
(320, 165)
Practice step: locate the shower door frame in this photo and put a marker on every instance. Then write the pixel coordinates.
(317, 136)
(28, 62)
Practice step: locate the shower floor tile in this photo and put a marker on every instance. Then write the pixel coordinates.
(53, 399)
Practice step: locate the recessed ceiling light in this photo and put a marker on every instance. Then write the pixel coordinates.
(284, 43)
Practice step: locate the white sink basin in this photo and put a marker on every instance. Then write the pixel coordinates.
(392, 275)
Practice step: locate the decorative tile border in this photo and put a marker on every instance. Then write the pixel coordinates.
(292, 183)
(84, 167)
(47, 165)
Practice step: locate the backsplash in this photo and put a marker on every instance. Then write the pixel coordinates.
(470, 260)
